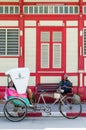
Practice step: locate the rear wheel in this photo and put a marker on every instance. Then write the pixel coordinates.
(15, 109)
(69, 109)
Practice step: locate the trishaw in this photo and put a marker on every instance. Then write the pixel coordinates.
(17, 105)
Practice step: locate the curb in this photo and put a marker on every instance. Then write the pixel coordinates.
(40, 114)
(34, 114)
(53, 114)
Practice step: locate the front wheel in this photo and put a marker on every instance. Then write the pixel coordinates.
(15, 109)
(69, 109)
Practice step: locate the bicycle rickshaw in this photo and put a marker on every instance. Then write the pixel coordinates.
(17, 105)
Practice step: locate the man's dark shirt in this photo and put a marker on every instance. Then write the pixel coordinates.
(65, 83)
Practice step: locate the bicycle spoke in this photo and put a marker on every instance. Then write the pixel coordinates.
(69, 109)
(15, 112)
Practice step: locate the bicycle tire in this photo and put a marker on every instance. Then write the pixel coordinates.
(69, 109)
(13, 114)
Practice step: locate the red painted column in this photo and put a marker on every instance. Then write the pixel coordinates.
(80, 53)
(80, 39)
(21, 27)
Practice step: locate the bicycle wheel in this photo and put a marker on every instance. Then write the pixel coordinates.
(69, 109)
(15, 109)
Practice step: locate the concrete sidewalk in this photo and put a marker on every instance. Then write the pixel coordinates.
(43, 123)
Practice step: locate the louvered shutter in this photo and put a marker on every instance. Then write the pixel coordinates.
(9, 41)
(2, 41)
(56, 56)
(84, 41)
(12, 42)
(44, 56)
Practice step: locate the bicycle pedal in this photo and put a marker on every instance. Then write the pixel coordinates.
(31, 106)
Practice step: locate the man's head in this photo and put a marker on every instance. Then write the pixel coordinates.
(65, 76)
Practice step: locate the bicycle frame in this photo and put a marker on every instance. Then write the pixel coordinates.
(42, 96)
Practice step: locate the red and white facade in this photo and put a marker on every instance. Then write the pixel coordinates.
(48, 37)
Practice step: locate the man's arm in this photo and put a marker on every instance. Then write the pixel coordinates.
(60, 83)
(69, 83)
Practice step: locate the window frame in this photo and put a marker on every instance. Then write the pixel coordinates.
(51, 43)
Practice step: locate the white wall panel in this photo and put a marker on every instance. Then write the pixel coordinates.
(84, 0)
(72, 23)
(50, 79)
(50, 23)
(9, 0)
(30, 49)
(51, 0)
(32, 81)
(8, 63)
(8, 23)
(3, 81)
(85, 64)
(84, 22)
(84, 80)
(30, 23)
(72, 50)
(74, 80)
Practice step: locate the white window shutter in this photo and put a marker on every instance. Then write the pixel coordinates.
(45, 56)
(56, 55)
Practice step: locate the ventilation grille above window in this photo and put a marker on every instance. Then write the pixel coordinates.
(51, 9)
(9, 9)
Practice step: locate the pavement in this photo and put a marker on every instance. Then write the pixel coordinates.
(39, 121)
(43, 123)
(55, 112)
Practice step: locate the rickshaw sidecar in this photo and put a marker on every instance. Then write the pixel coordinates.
(15, 107)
